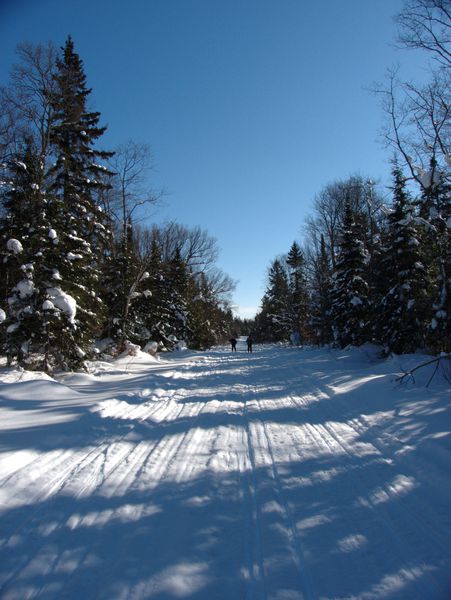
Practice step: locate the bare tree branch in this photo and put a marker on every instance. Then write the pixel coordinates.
(131, 165)
(426, 25)
(409, 374)
(25, 109)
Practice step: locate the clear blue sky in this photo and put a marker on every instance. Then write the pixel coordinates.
(250, 106)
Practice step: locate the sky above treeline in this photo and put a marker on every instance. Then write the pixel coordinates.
(250, 107)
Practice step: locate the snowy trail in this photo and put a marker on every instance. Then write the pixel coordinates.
(280, 475)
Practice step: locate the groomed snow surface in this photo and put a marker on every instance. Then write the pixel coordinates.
(285, 474)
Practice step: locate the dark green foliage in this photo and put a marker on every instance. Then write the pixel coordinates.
(209, 323)
(404, 305)
(274, 322)
(436, 210)
(298, 298)
(350, 303)
(32, 271)
(321, 299)
(120, 275)
(80, 224)
(66, 280)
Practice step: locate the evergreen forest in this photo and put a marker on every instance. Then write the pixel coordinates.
(82, 271)
(80, 274)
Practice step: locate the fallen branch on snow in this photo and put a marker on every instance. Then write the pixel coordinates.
(409, 374)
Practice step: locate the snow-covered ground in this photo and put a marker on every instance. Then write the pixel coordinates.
(283, 474)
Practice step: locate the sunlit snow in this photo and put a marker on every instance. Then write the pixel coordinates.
(286, 474)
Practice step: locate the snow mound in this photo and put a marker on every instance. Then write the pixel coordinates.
(19, 376)
(64, 302)
(14, 246)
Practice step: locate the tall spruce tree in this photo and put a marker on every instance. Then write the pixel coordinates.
(350, 303)
(179, 287)
(321, 297)
(404, 306)
(79, 225)
(26, 258)
(121, 274)
(158, 292)
(436, 241)
(274, 323)
(298, 301)
(202, 314)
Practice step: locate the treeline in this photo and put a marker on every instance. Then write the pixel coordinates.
(76, 266)
(371, 270)
(367, 272)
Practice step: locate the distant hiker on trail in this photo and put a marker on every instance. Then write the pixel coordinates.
(233, 342)
(249, 342)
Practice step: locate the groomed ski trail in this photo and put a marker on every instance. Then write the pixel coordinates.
(277, 475)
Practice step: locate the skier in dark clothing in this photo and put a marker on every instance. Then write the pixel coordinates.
(249, 341)
(233, 343)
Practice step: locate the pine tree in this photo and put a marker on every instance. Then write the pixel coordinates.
(29, 260)
(274, 321)
(79, 224)
(298, 301)
(350, 303)
(154, 305)
(404, 307)
(120, 274)
(178, 283)
(436, 239)
(321, 298)
(203, 314)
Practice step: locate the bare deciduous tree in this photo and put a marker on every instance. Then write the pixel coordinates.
(426, 25)
(197, 248)
(418, 115)
(221, 285)
(131, 190)
(25, 104)
(418, 124)
(329, 206)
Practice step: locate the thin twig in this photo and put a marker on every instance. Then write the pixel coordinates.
(425, 364)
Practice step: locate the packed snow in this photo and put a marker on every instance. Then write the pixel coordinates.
(284, 474)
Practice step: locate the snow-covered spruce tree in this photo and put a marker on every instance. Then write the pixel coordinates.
(403, 312)
(22, 205)
(29, 261)
(262, 326)
(150, 314)
(209, 322)
(350, 303)
(298, 300)
(79, 224)
(273, 322)
(121, 273)
(178, 283)
(320, 321)
(435, 237)
(158, 303)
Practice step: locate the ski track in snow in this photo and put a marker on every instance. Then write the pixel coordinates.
(281, 475)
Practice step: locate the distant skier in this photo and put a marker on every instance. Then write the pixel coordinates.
(233, 344)
(249, 342)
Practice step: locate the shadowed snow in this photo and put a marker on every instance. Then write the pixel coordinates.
(286, 474)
